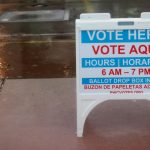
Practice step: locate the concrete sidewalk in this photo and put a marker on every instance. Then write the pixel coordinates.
(40, 114)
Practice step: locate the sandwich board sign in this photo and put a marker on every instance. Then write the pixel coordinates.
(112, 61)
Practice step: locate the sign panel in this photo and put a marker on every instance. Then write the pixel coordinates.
(115, 61)
(112, 61)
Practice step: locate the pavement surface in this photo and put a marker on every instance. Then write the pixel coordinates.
(40, 114)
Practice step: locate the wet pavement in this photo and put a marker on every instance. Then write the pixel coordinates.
(40, 114)
(47, 49)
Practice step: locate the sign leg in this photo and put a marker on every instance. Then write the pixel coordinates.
(84, 107)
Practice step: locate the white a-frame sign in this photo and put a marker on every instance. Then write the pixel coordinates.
(112, 59)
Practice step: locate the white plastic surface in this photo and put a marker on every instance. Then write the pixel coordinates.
(87, 101)
(145, 15)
